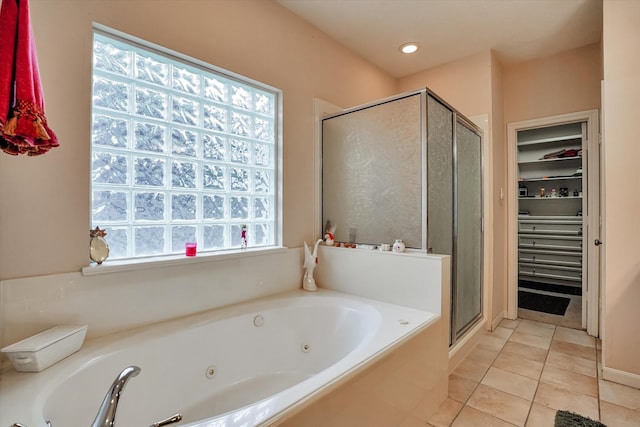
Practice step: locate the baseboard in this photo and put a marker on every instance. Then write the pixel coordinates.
(621, 377)
(497, 320)
(462, 348)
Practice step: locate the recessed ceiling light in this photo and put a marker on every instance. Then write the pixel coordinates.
(409, 47)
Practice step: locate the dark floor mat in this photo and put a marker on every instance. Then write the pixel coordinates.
(558, 289)
(545, 303)
(569, 419)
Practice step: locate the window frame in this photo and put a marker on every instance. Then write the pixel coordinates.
(276, 195)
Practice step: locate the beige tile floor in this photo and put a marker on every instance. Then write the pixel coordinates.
(524, 371)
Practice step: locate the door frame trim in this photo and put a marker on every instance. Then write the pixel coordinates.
(591, 303)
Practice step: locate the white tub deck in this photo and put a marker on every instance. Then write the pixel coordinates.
(262, 372)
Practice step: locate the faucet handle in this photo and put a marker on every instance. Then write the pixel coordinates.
(174, 419)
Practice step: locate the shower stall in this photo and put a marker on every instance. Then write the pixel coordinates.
(410, 167)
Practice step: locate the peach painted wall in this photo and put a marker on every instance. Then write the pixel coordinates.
(465, 83)
(498, 172)
(45, 202)
(558, 84)
(473, 85)
(621, 39)
(478, 84)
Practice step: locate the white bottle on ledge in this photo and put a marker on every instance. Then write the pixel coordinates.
(398, 246)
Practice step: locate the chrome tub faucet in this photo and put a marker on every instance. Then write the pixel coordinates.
(106, 416)
(107, 412)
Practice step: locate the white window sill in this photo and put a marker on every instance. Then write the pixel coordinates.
(164, 261)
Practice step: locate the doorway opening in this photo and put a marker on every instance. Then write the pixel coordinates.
(554, 220)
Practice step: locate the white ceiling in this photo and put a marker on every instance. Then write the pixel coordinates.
(517, 30)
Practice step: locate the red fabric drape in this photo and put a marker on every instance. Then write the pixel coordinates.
(23, 125)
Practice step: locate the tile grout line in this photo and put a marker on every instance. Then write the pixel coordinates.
(490, 366)
(555, 329)
(545, 364)
(478, 384)
(537, 383)
(595, 348)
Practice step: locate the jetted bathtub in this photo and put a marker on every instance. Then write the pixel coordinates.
(242, 365)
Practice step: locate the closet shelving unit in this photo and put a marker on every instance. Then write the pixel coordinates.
(550, 204)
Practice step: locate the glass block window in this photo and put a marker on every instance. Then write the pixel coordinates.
(181, 152)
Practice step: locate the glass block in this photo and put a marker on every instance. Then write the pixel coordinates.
(239, 151)
(117, 239)
(151, 70)
(213, 147)
(110, 94)
(149, 206)
(215, 89)
(261, 235)
(109, 131)
(239, 179)
(149, 171)
(150, 137)
(177, 154)
(183, 206)
(183, 142)
(108, 57)
(261, 208)
(239, 207)
(183, 174)
(151, 103)
(109, 205)
(107, 168)
(185, 111)
(186, 81)
(213, 207)
(263, 103)
(262, 129)
(181, 234)
(213, 177)
(215, 118)
(261, 155)
(149, 240)
(240, 97)
(240, 124)
(262, 182)
(213, 236)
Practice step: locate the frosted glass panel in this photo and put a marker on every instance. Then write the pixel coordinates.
(469, 235)
(371, 173)
(374, 162)
(439, 178)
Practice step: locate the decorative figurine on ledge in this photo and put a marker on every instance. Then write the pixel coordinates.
(98, 248)
(310, 262)
(243, 237)
(329, 234)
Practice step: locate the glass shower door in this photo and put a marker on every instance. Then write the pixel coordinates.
(454, 208)
(467, 296)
